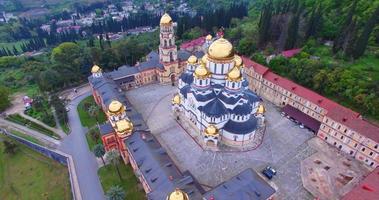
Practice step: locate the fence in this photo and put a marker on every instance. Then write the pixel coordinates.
(58, 156)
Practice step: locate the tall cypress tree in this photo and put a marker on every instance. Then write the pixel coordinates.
(264, 24)
(340, 40)
(293, 29)
(314, 22)
(361, 43)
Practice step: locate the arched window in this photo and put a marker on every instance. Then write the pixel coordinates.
(165, 43)
(171, 57)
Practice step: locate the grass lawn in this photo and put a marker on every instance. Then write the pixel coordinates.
(26, 137)
(109, 177)
(85, 118)
(30, 175)
(16, 118)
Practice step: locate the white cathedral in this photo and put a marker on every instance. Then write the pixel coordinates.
(214, 97)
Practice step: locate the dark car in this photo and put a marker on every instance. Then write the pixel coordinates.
(269, 172)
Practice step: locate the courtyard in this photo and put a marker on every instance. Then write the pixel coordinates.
(284, 145)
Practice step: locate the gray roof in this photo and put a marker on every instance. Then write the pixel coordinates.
(152, 61)
(123, 71)
(184, 55)
(106, 128)
(157, 167)
(108, 89)
(247, 185)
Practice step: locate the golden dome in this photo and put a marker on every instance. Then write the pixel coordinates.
(115, 107)
(211, 130)
(221, 49)
(95, 69)
(238, 61)
(192, 59)
(123, 126)
(166, 19)
(209, 37)
(178, 195)
(176, 100)
(261, 109)
(234, 74)
(201, 72)
(204, 59)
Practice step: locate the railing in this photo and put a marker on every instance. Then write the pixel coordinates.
(58, 156)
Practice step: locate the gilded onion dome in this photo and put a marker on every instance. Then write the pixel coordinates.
(238, 61)
(178, 195)
(204, 59)
(209, 37)
(115, 107)
(124, 126)
(261, 109)
(234, 74)
(166, 19)
(95, 69)
(211, 130)
(192, 60)
(221, 49)
(176, 100)
(201, 72)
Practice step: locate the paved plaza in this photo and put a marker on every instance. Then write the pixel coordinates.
(283, 147)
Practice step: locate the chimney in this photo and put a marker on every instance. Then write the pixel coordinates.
(344, 119)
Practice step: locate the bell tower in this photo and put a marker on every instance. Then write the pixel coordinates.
(167, 47)
(168, 51)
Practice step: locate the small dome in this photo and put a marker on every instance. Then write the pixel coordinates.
(204, 59)
(178, 195)
(221, 49)
(201, 72)
(115, 107)
(211, 130)
(209, 37)
(166, 19)
(192, 59)
(234, 74)
(238, 61)
(176, 100)
(261, 109)
(95, 69)
(124, 126)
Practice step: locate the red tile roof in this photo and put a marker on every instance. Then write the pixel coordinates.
(192, 43)
(290, 53)
(335, 111)
(260, 69)
(354, 121)
(368, 189)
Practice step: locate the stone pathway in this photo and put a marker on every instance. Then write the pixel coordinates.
(55, 130)
(49, 141)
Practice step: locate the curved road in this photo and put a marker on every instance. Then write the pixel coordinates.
(76, 145)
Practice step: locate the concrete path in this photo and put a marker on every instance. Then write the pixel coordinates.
(55, 130)
(86, 164)
(49, 141)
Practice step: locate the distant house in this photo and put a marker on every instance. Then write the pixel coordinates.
(290, 53)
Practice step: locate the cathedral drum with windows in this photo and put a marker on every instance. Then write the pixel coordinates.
(213, 96)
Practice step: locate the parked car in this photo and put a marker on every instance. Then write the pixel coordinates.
(301, 125)
(269, 172)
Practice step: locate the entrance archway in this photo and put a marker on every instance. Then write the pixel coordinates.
(172, 79)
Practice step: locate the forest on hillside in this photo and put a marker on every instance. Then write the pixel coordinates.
(339, 41)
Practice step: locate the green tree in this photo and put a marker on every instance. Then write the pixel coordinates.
(293, 29)
(362, 41)
(9, 147)
(338, 42)
(93, 111)
(4, 98)
(115, 193)
(99, 151)
(264, 24)
(113, 157)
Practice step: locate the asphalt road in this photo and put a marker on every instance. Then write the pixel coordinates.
(76, 145)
